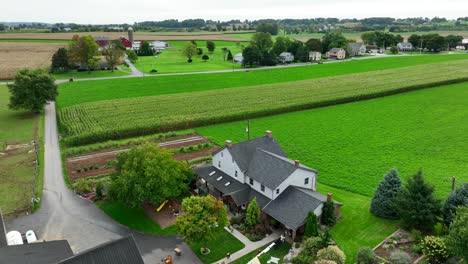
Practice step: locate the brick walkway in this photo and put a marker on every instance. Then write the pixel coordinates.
(249, 245)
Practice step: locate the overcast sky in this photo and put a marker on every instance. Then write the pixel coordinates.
(118, 11)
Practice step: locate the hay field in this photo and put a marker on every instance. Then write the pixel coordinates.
(137, 35)
(15, 56)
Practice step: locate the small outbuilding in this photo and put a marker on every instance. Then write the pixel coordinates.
(285, 57)
(405, 46)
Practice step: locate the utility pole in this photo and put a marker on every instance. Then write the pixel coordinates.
(248, 129)
(420, 47)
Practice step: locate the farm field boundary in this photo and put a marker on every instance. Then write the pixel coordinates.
(104, 120)
(91, 91)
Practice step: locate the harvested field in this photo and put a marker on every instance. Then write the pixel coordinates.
(116, 35)
(15, 56)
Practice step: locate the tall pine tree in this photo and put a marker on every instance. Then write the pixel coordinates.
(311, 225)
(383, 202)
(328, 214)
(457, 198)
(252, 216)
(417, 205)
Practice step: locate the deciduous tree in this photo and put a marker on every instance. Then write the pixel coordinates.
(60, 60)
(203, 216)
(281, 45)
(210, 45)
(83, 49)
(189, 50)
(148, 173)
(251, 55)
(417, 205)
(314, 44)
(132, 56)
(114, 53)
(383, 202)
(262, 41)
(31, 90)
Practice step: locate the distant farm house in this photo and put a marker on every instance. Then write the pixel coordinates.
(285, 57)
(315, 56)
(405, 46)
(284, 189)
(356, 49)
(336, 53)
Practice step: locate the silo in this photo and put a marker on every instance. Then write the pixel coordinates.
(130, 34)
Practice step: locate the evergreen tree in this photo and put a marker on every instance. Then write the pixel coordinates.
(229, 56)
(457, 238)
(210, 45)
(417, 205)
(457, 198)
(311, 225)
(60, 60)
(328, 214)
(382, 204)
(252, 216)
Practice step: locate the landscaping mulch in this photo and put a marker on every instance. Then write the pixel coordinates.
(165, 217)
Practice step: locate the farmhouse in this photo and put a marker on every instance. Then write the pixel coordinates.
(315, 56)
(336, 53)
(285, 57)
(405, 46)
(356, 48)
(285, 189)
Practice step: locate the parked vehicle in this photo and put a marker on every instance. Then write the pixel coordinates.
(31, 236)
(14, 238)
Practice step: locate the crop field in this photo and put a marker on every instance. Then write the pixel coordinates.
(91, 91)
(15, 56)
(115, 35)
(171, 59)
(111, 119)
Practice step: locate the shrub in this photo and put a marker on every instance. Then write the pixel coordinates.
(154, 71)
(457, 238)
(303, 259)
(417, 249)
(311, 225)
(435, 249)
(83, 186)
(417, 235)
(236, 220)
(366, 256)
(324, 262)
(333, 253)
(400, 257)
(199, 51)
(189, 60)
(99, 188)
(205, 57)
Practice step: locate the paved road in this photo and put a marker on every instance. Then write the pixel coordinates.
(64, 215)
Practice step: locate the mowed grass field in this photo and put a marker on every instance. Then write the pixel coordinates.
(171, 59)
(353, 145)
(91, 91)
(16, 167)
(103, 120)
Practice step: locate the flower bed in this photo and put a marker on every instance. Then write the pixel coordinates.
(399, 241)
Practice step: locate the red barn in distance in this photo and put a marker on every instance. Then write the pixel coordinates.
(102, 41)
(127, 43)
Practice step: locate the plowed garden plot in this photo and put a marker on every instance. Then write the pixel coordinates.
(15, 56)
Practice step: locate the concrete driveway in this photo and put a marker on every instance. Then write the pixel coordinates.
(64, 215)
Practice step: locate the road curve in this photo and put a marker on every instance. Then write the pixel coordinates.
(64, 215)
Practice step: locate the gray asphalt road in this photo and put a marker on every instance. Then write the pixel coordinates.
(64, 215)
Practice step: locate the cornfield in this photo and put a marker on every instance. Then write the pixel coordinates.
(104, 120)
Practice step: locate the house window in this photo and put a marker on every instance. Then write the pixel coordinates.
(306, 181)
(262, 188)
(251, 182)
(235, 174)
(219, 164)
(277, 191)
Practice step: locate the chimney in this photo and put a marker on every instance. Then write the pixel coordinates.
(329, 197)
(228, 143)
(268, 134)
(453, 183)
(297, 162)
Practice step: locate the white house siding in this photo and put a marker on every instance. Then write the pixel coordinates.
(257, 186)
(227, 165)
(297, 178)
(318, 210)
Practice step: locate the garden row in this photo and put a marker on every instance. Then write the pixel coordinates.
(90, 91)
(99, 121)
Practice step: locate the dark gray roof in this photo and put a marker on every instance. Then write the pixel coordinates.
(292, 206)
(3, 239)
(36, 253)
(233, 187)
(120, 251)
(243, 152)
(241, 197)
(335, 49)
(355, 45)
(101, 38)
(262, 200)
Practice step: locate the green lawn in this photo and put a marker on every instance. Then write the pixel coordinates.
(15, 126)
(278, 252)
(171, 59)
(353, 145)
(113, 119)
(90, 91)
(16, 168)
(93, 74)
(222, 243)
(134, 218)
